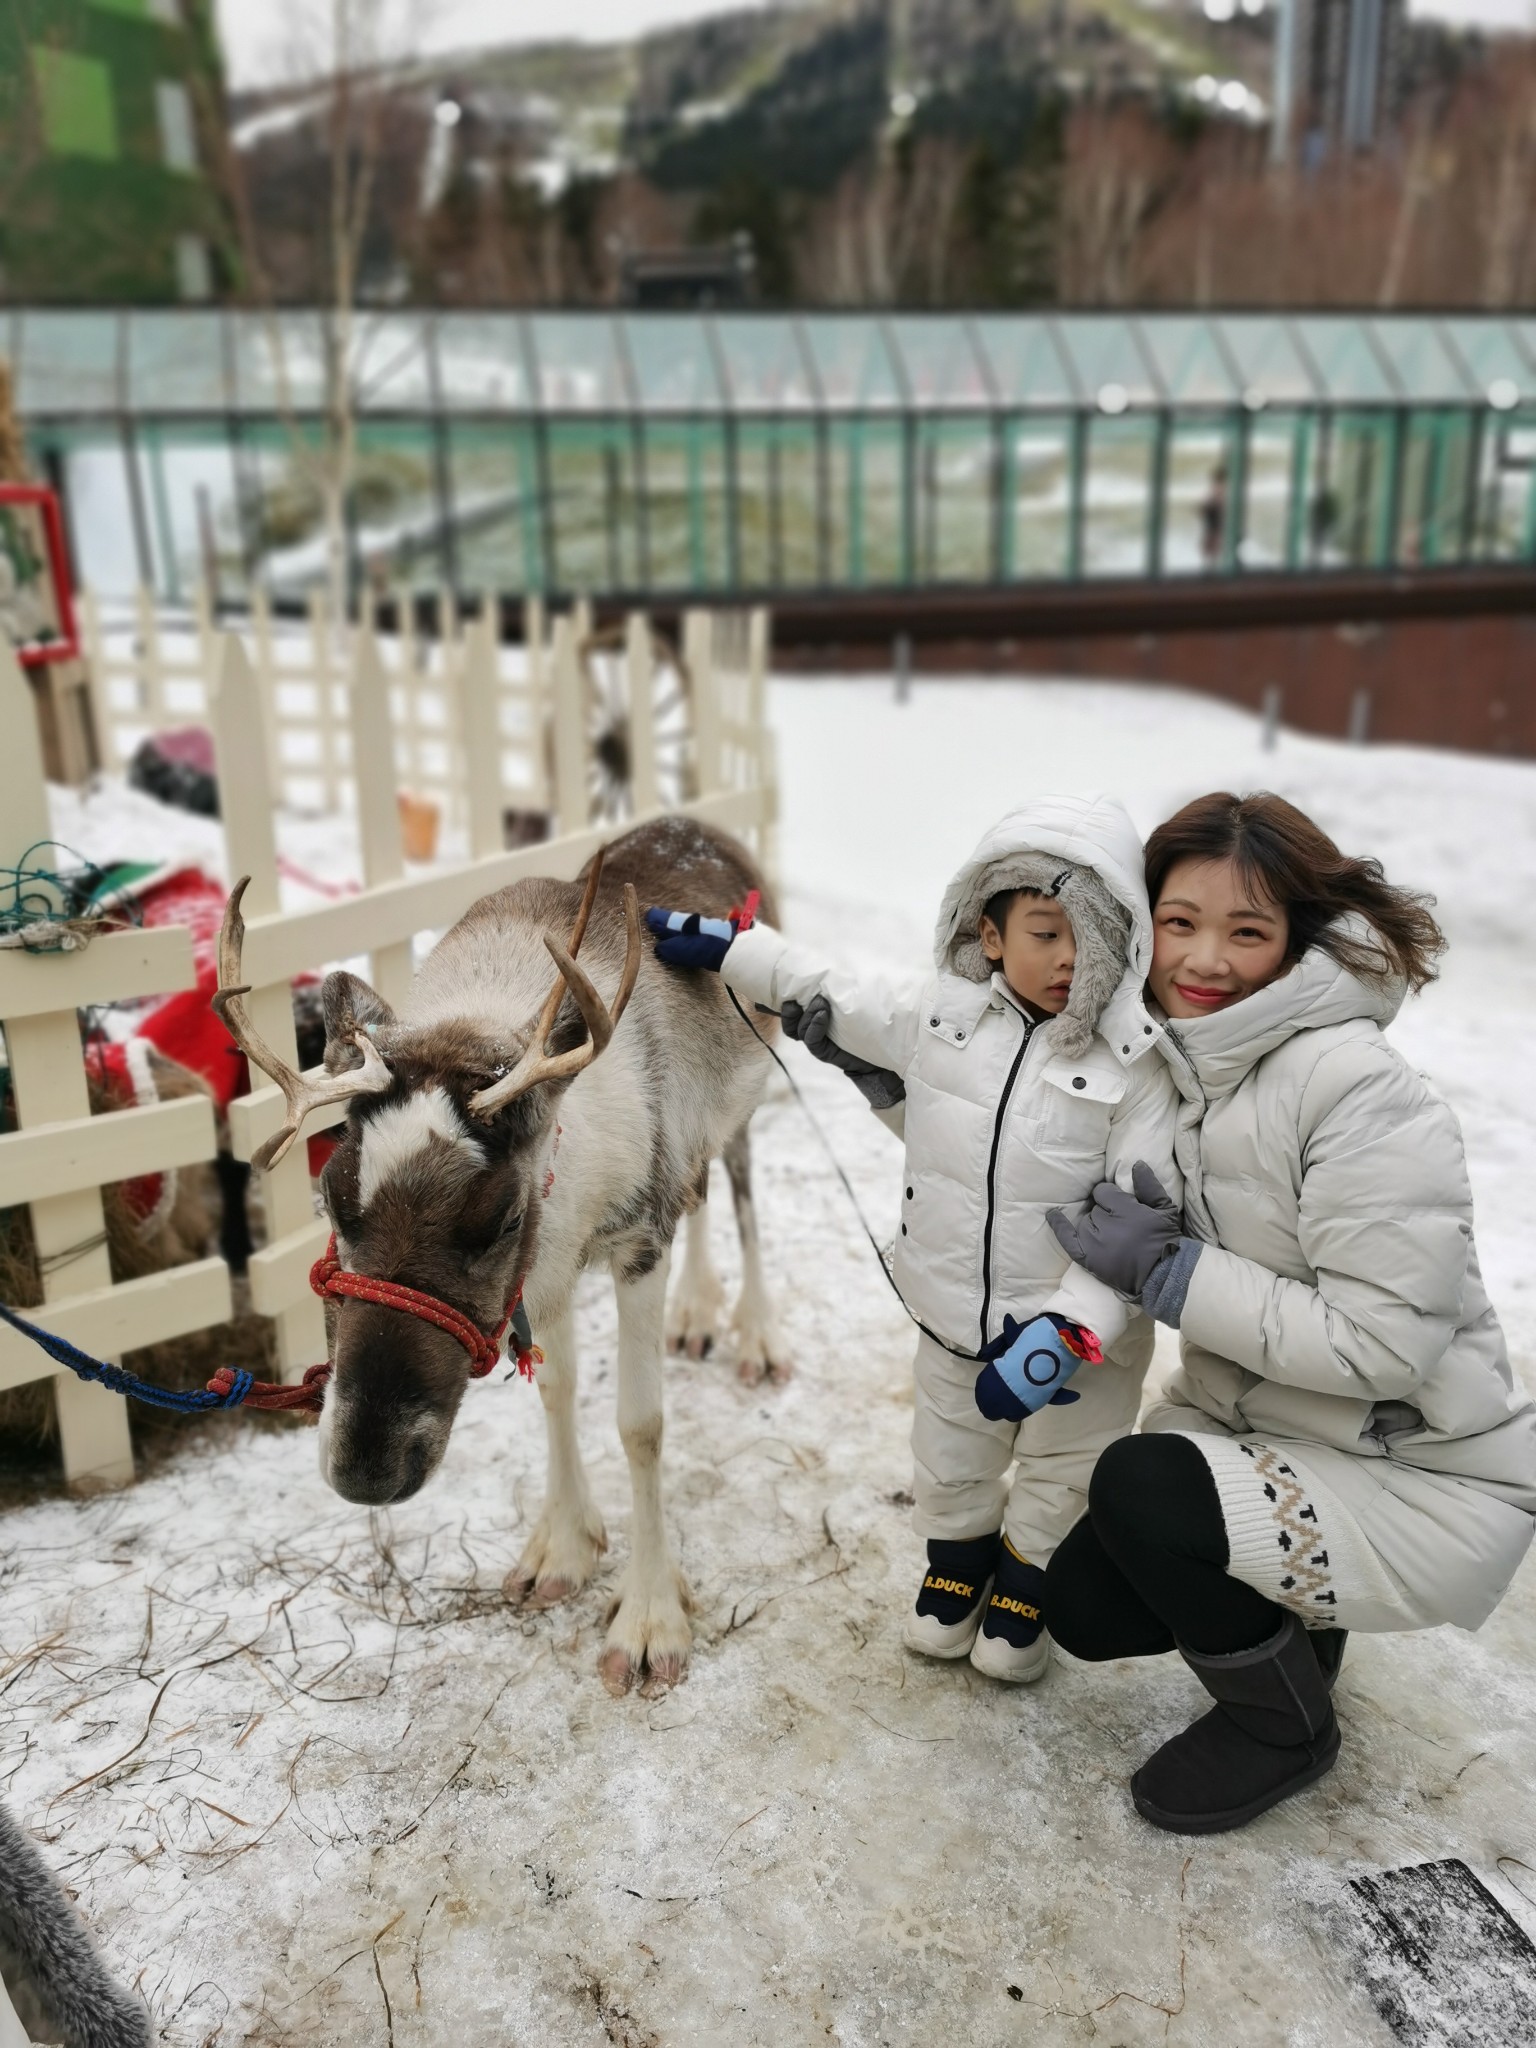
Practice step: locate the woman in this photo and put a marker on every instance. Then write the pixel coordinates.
(1343, 1445)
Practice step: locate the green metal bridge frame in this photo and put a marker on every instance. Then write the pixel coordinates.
(795, 454)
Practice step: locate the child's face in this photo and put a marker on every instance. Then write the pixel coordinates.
(1036, 951)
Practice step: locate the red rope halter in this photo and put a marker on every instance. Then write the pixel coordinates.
(309, 1393)
(328, 1276)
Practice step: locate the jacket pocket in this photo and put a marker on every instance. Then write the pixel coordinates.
(1070, 1116)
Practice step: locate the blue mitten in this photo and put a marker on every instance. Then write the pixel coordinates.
(684, 939)
(1028, 1366)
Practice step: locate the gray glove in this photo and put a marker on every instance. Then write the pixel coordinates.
(811, 1023)
(1124, 1239)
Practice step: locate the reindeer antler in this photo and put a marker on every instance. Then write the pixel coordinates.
(536, 1064)
(301, 1094)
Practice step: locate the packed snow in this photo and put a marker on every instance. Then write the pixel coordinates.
(312, 1781)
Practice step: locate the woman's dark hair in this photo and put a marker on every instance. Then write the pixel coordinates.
(1279, 851)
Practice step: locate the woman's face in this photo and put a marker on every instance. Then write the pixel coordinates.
(1215, 939)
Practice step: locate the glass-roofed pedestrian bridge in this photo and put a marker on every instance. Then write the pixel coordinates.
(763, 452)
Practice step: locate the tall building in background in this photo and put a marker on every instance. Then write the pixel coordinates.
(105, 187)
(1338, 73)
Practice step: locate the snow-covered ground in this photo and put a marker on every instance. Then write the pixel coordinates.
(314, 1783)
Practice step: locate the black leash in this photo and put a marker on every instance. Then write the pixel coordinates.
(848, 1188)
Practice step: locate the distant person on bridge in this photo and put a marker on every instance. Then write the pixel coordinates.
(1213, 518)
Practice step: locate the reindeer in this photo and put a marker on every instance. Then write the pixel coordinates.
(489, 1148)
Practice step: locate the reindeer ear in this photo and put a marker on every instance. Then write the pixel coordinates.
(350, 1006)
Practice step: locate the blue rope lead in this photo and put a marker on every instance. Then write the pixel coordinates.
(128, 1384)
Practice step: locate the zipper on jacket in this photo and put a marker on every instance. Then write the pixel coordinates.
(1205, 1102)
(997, 1139)
(1194, 1072)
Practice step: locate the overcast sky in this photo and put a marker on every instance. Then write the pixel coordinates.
(259, 39)
(262, 37)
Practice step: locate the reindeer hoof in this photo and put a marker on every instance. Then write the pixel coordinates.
(694, 1315)
(760, 1358)
(648, 1640)
(549, 1592)
(664, 1671)
(558, 1561)
(616, 1672)
(620, 1674)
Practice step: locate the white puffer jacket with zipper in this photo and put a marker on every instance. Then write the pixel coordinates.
(1338, 1307)
(999, 1127)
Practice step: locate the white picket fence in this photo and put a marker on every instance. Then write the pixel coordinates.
(147, 673)
(61, 1156)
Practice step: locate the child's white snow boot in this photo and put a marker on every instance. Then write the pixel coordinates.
(951, 1598)
(1012, 1644)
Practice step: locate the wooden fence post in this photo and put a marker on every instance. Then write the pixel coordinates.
(48, 1073)
(203, 619)
(247, 802)
(533, 639)
(151, 664)
(536, 701)
(572, 802)
(378, 808)
(480, 721)
(94, 648)
(644, 786)
(698, 653)
(263, 669)
(329, 716)
(759, 657)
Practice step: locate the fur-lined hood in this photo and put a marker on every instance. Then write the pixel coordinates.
(1089, 849)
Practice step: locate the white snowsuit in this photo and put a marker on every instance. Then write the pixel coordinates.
(1342, 1370)
(12, 2033)
(1000, 1128)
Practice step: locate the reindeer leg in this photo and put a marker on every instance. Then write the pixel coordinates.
(760, 1350)
(648, 1633)
(568, 1538)
(693, 1317)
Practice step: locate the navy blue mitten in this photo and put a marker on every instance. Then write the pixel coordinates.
(685, 939)
(1029, 1364)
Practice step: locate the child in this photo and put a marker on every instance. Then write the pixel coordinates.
(1024, 1066)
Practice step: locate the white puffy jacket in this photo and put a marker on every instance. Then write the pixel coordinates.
(1338, 1301)
(999, 1127)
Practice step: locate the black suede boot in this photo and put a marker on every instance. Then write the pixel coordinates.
(1271, 1732)
(1328, 1646)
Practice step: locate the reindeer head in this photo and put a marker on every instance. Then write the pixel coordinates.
(436, 1185)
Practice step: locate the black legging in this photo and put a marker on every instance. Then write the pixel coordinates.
(1145, 1570)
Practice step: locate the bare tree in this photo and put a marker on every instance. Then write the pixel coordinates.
(1122, 166)
(347, 93)
(1514, 180)
(13, 454)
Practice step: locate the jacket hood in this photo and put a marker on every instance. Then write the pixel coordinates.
(1089, 848)
(1317, 991)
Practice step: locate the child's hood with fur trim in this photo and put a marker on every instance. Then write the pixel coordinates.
(1097, 857)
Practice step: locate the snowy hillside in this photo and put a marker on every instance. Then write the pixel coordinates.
(313, 1782)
